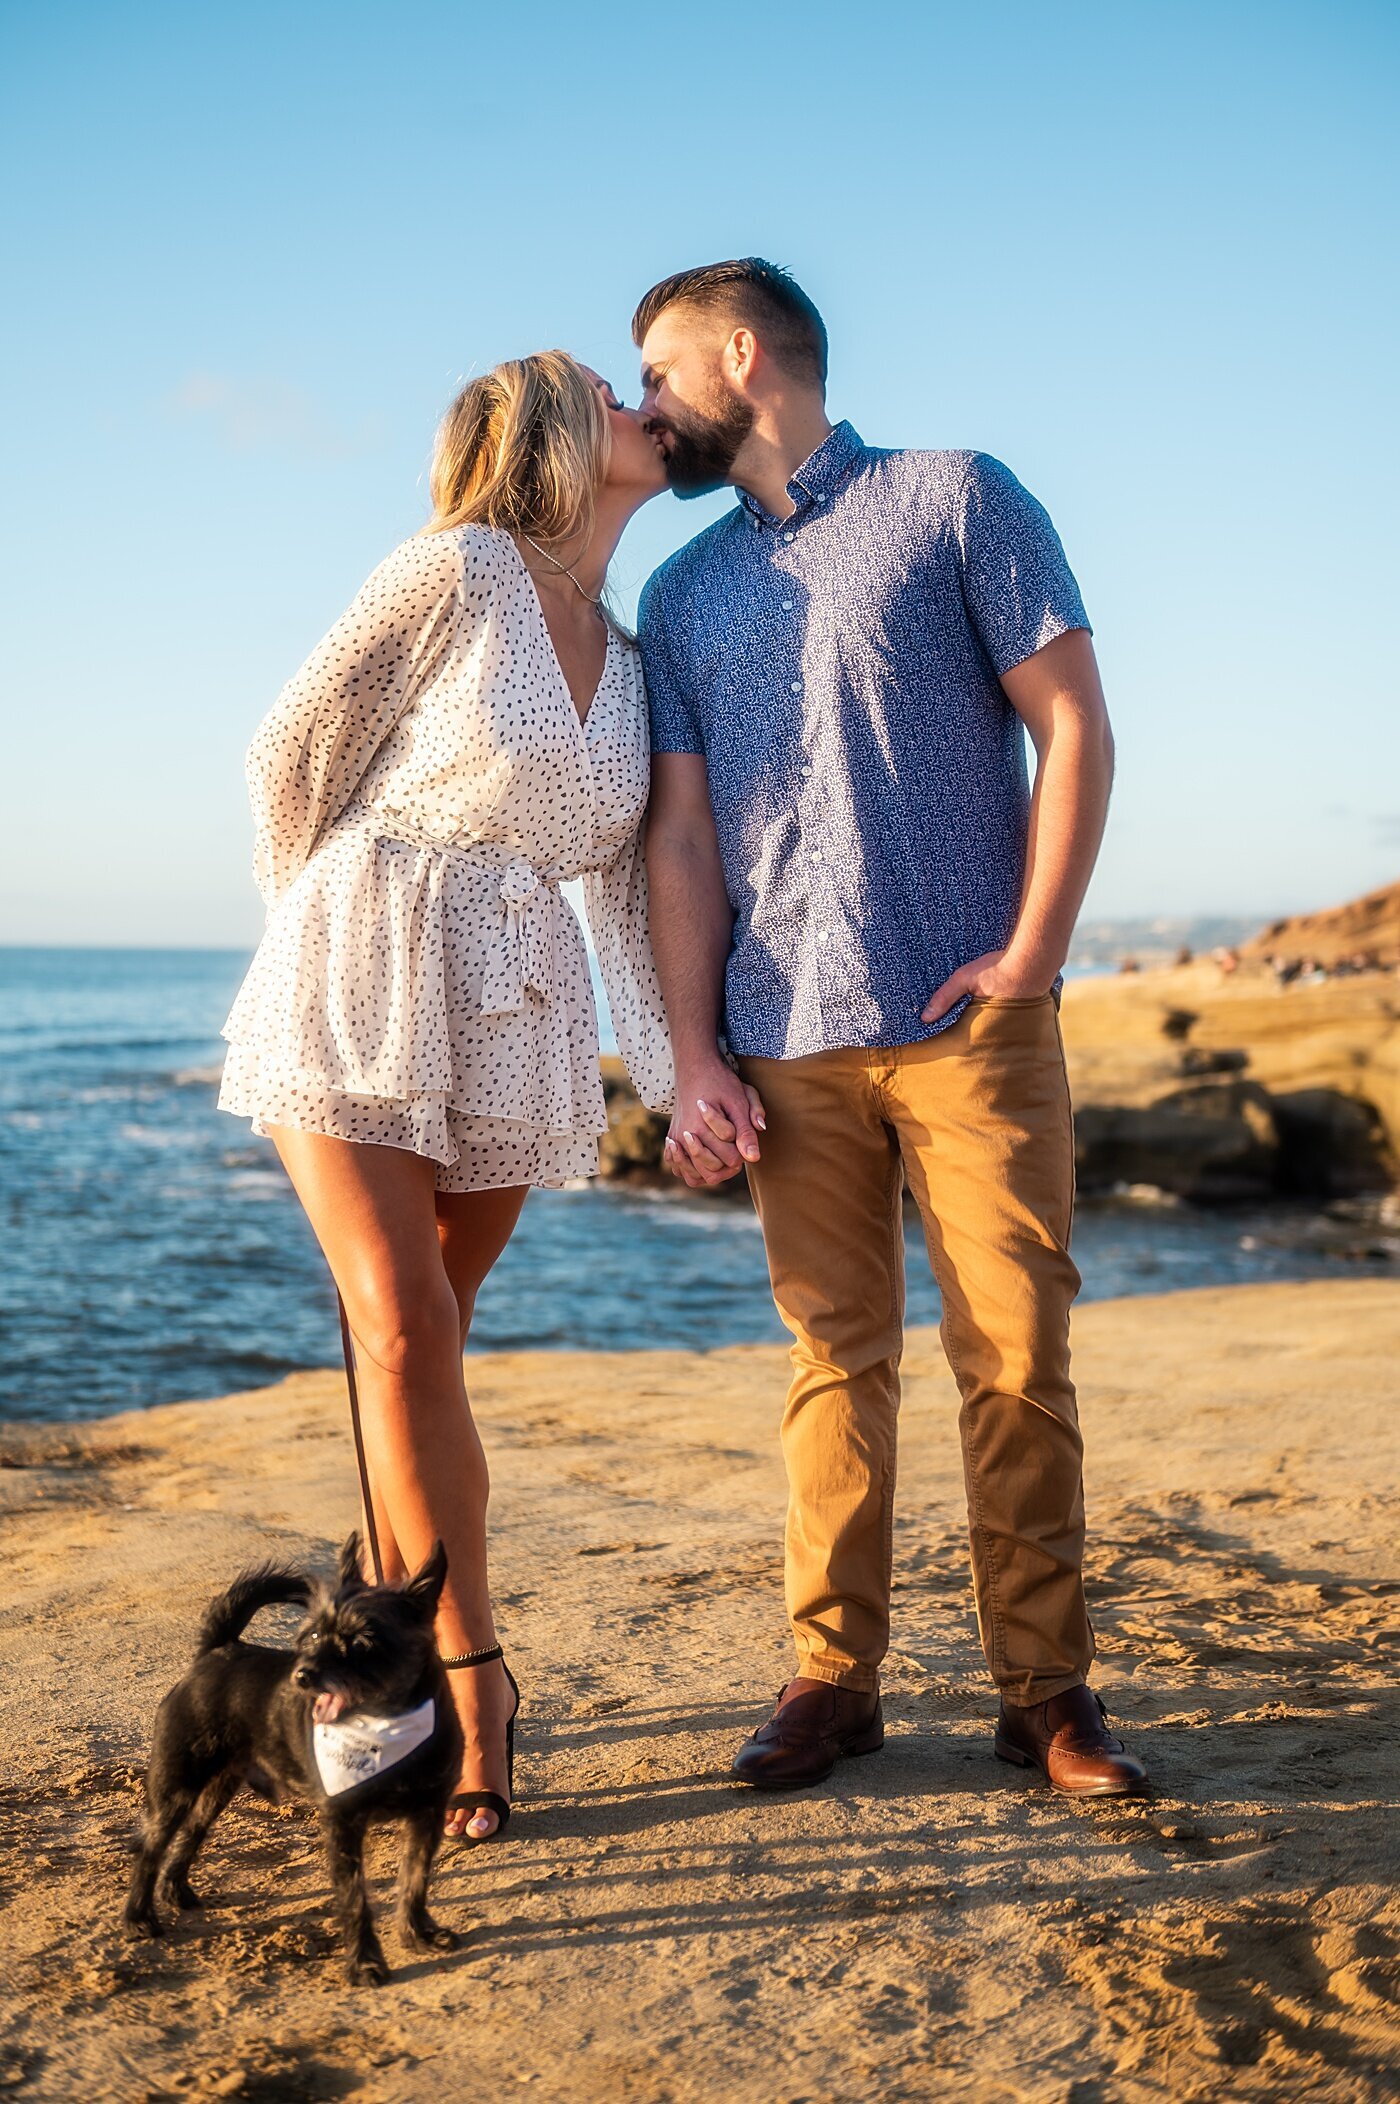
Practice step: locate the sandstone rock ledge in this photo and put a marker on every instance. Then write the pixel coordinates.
(1214, 1088)
(1234, 1087)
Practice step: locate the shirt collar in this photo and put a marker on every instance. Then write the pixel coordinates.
(817, 478)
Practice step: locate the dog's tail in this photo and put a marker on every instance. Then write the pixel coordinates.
(229, 1615)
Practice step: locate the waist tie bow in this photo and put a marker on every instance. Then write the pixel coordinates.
(526, 956)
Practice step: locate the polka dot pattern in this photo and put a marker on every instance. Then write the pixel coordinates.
(420, 790)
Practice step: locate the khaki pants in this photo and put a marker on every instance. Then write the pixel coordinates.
(979, 1117)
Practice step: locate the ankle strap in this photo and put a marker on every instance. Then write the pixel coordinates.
(473, 1658)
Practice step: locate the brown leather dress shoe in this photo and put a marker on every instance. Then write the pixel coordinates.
(1069, 1740)
(814, 1726)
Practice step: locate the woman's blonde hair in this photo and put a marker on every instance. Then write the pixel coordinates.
(524, 447)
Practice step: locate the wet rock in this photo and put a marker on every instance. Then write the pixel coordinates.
(631, 1146)
(1212, 1144)
(633, 1141)
(1333, 1145)
(1196, 1060)
(630, 1151)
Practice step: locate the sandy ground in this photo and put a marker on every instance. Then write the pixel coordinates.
(928, 1924)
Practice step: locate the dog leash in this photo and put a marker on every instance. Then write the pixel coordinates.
(348, 1346)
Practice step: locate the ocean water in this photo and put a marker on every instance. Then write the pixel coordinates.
(153, 1251)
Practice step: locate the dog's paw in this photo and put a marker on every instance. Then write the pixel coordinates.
(429, 1935)
(371, 1970)
(142, 1928)
(183, 1896)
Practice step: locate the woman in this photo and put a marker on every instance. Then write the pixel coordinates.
(417, 1031)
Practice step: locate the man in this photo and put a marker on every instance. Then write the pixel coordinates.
(852, 886)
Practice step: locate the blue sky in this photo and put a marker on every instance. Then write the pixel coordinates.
(1146, 255)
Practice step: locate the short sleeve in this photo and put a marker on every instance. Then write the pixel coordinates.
(674, 727)
(1020, 591)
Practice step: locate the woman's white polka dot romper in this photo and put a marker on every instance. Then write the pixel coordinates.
(421, 789)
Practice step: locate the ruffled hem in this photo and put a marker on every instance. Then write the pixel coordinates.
(410, 974)
(469, 1153)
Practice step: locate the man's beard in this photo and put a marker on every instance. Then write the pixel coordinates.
(703, 448)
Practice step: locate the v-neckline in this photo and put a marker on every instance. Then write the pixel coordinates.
(580, 720)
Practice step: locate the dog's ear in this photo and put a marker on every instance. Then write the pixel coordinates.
(350, 1570)
(424, 1588)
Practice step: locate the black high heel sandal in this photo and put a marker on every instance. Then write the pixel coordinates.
(486, 1800)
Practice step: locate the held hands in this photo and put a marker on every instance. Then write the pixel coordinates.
(715, 1127)
(997, 976)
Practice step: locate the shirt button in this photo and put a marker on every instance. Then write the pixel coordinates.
(821, 499)
(825, 935)
(805, 772)
(815, 855)
(787, 536)
(787, 606)
(797, 686)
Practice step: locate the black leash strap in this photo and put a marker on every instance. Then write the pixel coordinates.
(348, 1344)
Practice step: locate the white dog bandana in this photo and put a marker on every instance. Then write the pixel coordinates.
(360, 1749)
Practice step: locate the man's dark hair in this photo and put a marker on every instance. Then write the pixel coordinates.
(748, 291)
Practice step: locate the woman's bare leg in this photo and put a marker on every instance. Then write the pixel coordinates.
(473, 1228)
(374, 1213)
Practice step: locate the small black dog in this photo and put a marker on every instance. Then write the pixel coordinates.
(357, 1719)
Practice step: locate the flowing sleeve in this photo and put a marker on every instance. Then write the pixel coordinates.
(616, 900)
(324, 728)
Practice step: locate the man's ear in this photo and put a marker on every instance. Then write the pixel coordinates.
(740, 357)
(350, 1570)
(424, 1588)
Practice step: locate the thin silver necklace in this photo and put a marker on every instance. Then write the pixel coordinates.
(563, 567)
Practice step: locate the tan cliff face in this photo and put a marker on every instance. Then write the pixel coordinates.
(1275, 1073)
(1306, 1076)
(1369, 925)
(1276, 1070)
(1215, 1086)
(1246, 1080)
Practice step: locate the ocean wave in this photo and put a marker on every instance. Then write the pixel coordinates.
(25, 1039)
(709, 1216)
(152, 1136)
(197, 1077)
(251, 1256)
(254, 1184)
(242, 1367)
(116, 1092)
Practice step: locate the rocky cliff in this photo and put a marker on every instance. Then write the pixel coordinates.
(1222, 1087)
(1367, 928)
(1215, 1086)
